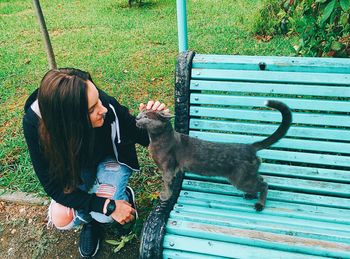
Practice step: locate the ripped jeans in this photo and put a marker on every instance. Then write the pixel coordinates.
(111, 179)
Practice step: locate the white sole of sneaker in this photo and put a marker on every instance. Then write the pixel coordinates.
(133, 198)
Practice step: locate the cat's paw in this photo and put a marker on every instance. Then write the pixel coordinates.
(258, 206)
(164, 196)
(250, 196)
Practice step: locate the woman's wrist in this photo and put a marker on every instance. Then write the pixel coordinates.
(109, 207)
(97, 203)
(105, 206)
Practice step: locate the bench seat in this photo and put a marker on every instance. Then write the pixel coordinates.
(307, 215)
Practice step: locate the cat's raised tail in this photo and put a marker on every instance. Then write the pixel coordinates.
(281, 130)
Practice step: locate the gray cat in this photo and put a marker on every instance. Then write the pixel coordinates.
(174, 152)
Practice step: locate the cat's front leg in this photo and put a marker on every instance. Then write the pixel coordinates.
(250, 196)
(167, 191)
(260, 204)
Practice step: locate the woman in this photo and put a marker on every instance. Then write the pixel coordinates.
(82, 146)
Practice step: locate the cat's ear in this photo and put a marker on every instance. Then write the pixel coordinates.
(166, 114)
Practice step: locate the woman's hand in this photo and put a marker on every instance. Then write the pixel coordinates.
(123, 213)
(153, 105)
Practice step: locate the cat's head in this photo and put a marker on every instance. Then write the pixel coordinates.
(153, 120)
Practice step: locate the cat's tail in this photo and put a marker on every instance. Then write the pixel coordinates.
(281, 130)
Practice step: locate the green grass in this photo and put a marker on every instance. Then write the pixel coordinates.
(130, 53)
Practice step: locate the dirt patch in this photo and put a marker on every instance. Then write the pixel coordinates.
(24, 234)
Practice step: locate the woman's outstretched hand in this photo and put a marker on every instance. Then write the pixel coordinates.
(123, 213)
(153, 105)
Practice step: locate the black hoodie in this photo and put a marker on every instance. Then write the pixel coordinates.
(119, 125)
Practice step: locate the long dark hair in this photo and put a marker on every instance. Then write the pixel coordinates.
(65, 130)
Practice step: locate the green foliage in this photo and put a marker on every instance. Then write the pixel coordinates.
(119, 244)
(323, 26)
(268, 17)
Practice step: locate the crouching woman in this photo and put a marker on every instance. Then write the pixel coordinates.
(82, 146)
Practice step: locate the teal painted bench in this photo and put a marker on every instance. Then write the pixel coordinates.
(307, 214)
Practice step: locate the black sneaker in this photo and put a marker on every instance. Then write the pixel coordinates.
(89, 242)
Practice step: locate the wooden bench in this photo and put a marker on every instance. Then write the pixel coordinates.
(307, 214)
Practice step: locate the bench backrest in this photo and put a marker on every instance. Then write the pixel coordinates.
(226, 104)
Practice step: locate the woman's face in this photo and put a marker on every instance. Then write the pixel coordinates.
(96, 110)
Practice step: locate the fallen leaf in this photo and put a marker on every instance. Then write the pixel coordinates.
(264, 38)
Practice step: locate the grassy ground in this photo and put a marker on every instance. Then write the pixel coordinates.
(130, 53)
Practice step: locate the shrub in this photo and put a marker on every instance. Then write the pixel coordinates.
(323, 26)
(267, 20)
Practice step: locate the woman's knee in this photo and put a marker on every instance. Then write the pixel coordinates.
(61, 216)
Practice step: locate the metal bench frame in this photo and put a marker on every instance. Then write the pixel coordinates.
(153, 232)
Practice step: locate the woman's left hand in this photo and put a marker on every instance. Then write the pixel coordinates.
(153, 105)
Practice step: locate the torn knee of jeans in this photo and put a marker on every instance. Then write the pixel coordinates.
(70, 214)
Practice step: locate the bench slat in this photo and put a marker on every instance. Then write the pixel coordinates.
(272, 224)
(292, 184)
(297, 64)
(302, 172)
(276, 208)
(270, 76)
(260, 239)
(304, 104)
(268, 129)
(275, 195)
(298, 118)
(275, 88)
(224, 249)
(296, 144)
(322, 174)
(302, 157)
(282, 155)
(316, 187)
(171, 254)
(283, 207)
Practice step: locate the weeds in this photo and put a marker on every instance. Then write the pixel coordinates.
(268, 18)
(42, 245)
(119, 244)
(323, 26)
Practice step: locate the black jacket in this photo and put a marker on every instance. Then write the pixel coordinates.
(118, 120)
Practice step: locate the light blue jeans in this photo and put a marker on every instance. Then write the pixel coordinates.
(111, 178)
